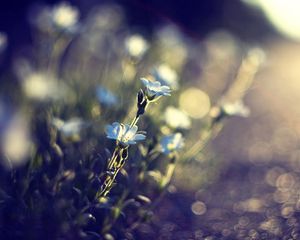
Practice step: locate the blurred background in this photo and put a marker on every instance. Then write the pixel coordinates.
(253, 191)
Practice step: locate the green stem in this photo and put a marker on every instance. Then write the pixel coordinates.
(134, 121)
(113, 158)
(198, 146)
(169, 173)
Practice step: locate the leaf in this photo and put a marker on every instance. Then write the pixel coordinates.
(143, 199)
(143, 150)
(155, 175)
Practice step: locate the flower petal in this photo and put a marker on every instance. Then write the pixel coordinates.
(145, 81)
(139, 137)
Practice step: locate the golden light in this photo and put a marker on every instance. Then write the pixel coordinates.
(194, 102)
(136, 45)
(198, 208)
(65, 15)
(16, 142)
(284, 15)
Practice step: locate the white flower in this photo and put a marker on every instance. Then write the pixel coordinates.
(42, 86)
(171, 143)
(155, 90)
(70, 128)
(136, 46)
(106, 97)
(15, 141)
(60, 17)
(176, 118)
(165, 75)
(124, 133)
(65, 16)
(236, 109)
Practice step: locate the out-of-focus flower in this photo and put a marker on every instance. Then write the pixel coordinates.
(171, 143)
(236, 109)
(3, 42)
(124, 133)
(38, 86)
(172, 46)
(106, 97)
(42, 86)
(136, 46)
(65, 16)
(176, 118)
(69, 129)
(154, 89)
(230, 109)
(61, 16)
(16, 142)
(165, 75)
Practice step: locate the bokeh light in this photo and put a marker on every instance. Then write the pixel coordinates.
(194, 102)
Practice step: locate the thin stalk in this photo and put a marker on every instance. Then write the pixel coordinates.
(198, 146)
(113, 158)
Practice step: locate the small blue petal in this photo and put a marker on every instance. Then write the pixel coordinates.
(106, 97)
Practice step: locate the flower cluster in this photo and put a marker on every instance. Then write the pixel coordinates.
(87, 153)
(126, 134)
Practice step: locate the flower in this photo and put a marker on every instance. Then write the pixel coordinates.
(70, 130)
(155, 90)
(165, 75)
(236, 109)
(70, 127)
(176, 118)
(171, 143)
(229, 109)
(65, 16)
(42, 86)
(136, 46)
(60, 17)
(106, 97)
(124, 133)
(15, 141)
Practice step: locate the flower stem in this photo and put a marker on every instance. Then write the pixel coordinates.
(169, 172)
(198, 146)
(113, 158)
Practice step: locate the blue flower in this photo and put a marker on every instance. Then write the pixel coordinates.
(124, 133)
(154, 89)
(70, 129)
(165, 75)
(171, 143)
(106, 97)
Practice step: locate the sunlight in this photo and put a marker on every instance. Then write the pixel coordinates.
(284, 15)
